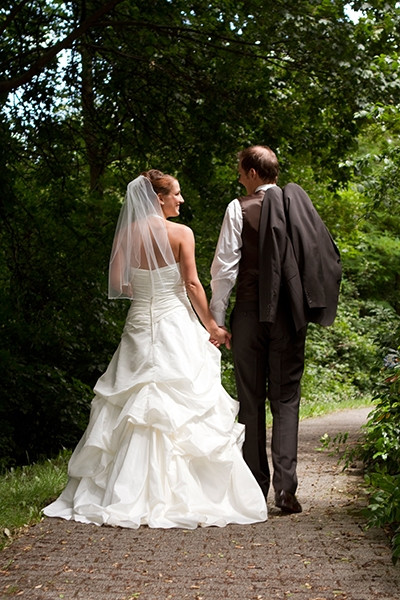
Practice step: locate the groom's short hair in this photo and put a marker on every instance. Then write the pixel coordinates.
(263, 160)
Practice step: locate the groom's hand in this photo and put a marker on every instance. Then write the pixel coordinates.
(228, 337)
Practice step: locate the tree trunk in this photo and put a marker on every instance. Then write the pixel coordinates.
(90, 131)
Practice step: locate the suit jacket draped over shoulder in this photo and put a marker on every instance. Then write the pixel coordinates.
(298, 253)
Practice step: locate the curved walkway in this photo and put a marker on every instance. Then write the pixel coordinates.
(323, 553)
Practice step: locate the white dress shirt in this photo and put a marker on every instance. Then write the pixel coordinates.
(225, 265)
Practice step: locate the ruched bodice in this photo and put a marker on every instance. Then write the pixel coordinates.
(162, 446)
(154, 297)
(146, 285)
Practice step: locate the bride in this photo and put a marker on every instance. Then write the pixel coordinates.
(162, 447)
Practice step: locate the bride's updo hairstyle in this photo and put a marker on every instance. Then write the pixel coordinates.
(160, 181)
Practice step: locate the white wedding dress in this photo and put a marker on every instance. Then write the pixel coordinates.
(162, 446)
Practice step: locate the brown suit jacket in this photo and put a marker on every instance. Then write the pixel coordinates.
(298, 253)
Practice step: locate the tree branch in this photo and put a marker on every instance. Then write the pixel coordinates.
(10, 85)
(12, 14)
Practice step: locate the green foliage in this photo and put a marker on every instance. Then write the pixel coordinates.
(166, 83)
(380, 452)
(373, 264)
(370, 248)
(341, 360)
(57, 328)
(381, 446)
(384, 506)
(335, 444)
(43, 409)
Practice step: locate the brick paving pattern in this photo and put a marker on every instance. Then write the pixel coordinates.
(324, 553)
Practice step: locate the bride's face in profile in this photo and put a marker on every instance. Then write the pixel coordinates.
(171, 201)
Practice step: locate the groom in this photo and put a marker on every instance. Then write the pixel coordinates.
(286, 267)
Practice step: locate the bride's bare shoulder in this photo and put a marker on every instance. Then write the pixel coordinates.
(179, 229)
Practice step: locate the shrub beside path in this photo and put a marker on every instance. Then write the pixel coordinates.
(324, 553)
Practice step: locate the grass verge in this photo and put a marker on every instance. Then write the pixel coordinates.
(24, 492)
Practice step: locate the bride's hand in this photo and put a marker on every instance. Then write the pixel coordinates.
(221, 336)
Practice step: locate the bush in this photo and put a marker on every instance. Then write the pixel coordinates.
(380, 452)
(341, 360)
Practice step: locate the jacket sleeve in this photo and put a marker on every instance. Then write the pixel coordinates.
(316, 254)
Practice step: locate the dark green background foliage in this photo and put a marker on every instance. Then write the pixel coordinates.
(92, 93)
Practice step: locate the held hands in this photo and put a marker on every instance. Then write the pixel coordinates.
(220, 335)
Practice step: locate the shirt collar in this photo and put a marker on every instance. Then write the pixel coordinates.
(265, 186)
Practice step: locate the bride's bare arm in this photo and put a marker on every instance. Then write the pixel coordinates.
(194, 288)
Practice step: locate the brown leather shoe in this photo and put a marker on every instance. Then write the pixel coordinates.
(287, 502)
